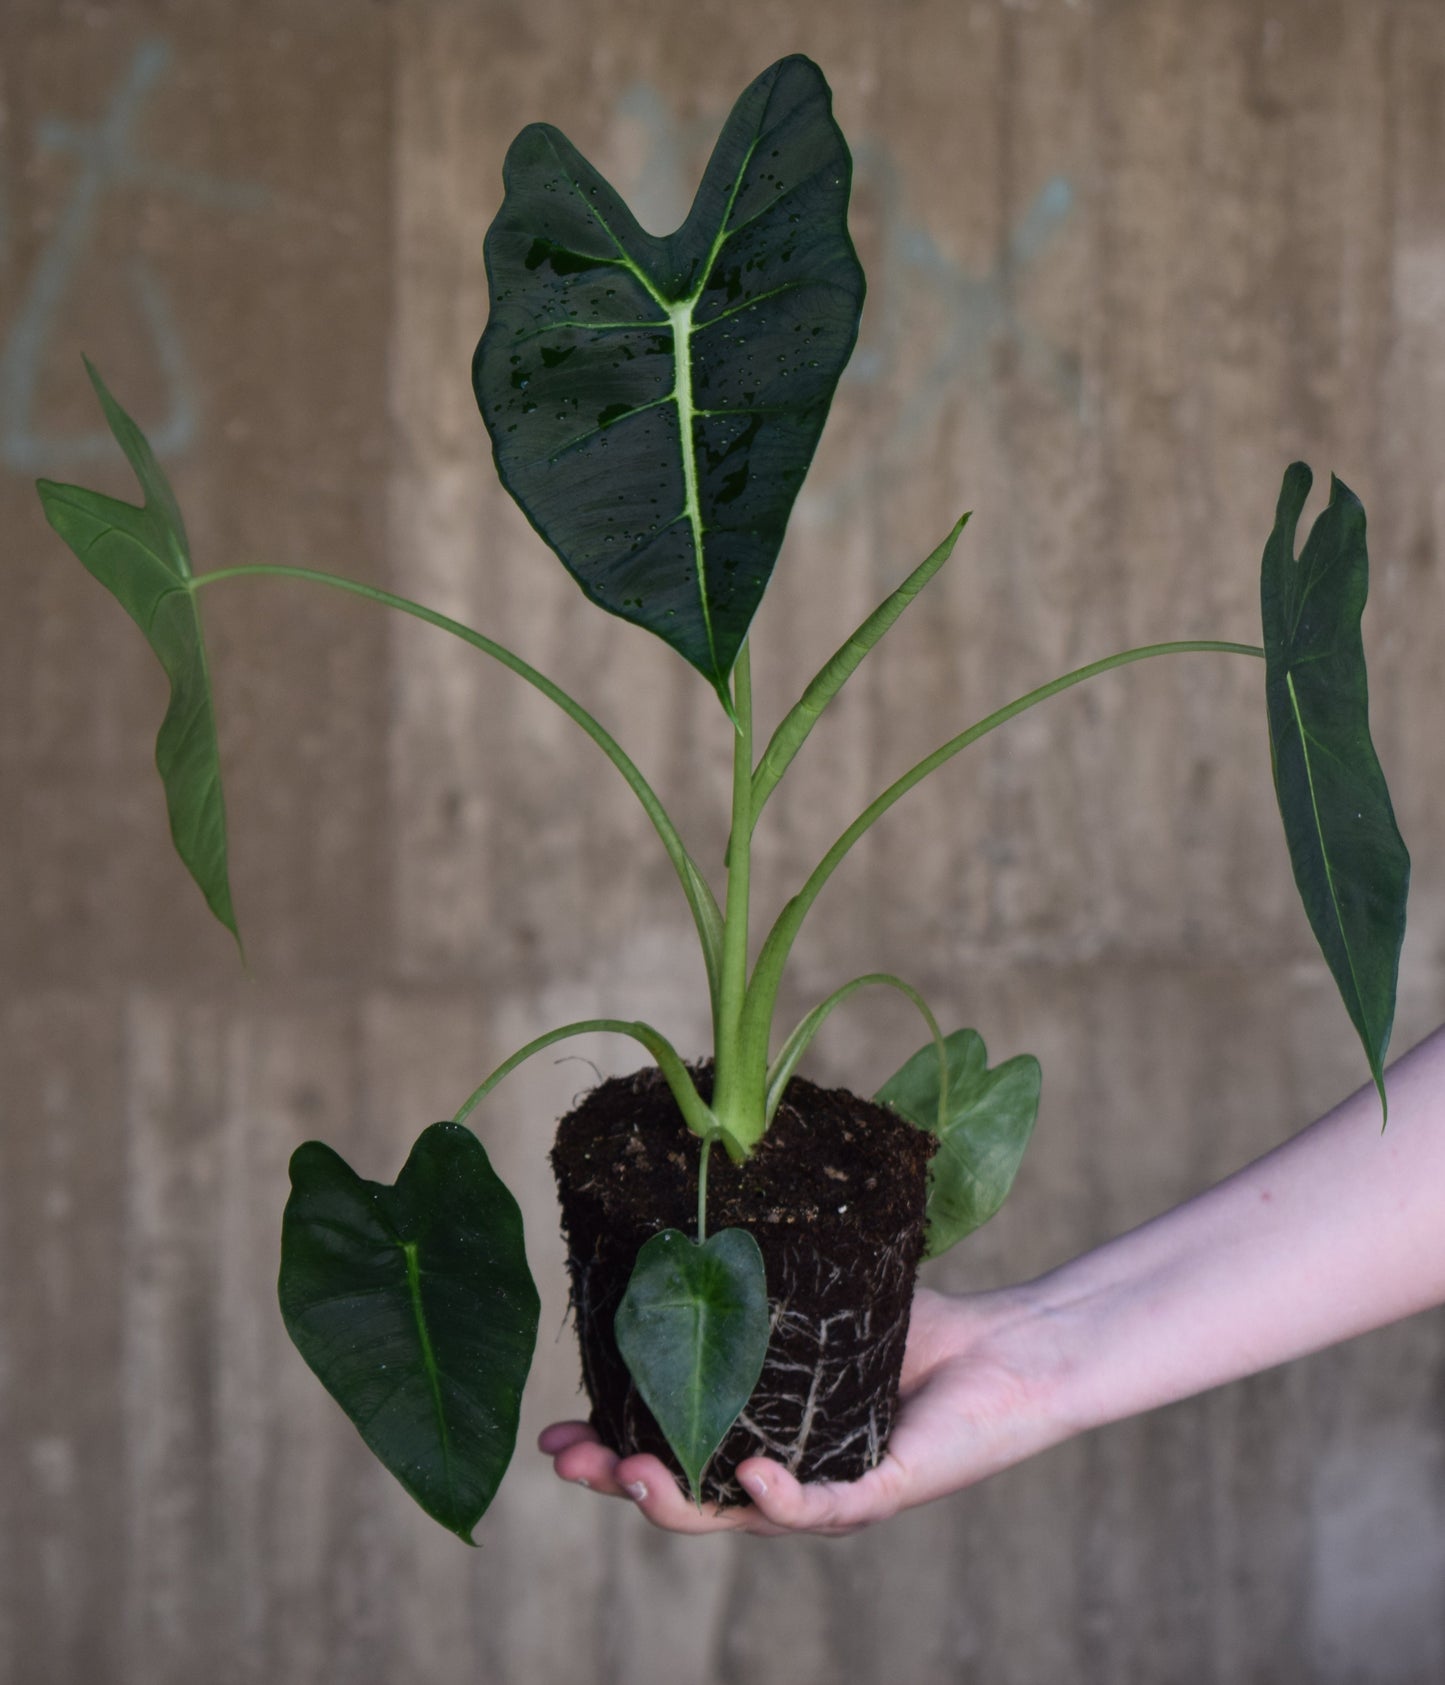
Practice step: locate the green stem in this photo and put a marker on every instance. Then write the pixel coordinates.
(733, 1100)
(702, 1190)
(695, 1111)
(767, 975)
(700, 898)
(793, 1049)
(793, 728)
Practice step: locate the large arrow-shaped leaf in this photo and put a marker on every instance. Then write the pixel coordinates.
(141, 556)
(415, 1308)
(988, 1119)
(653, 402)
(1349, 861)
(693, 1331)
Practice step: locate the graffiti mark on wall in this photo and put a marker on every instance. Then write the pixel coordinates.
(980, 309)
(915, 285)
(106, 163)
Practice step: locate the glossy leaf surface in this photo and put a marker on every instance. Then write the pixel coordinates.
(142, 558)
(414, 1306)
(1350, 864)
(654, 402)
(988, 1119)
(693, 1331)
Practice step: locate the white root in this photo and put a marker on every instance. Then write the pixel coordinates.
(824, 1404)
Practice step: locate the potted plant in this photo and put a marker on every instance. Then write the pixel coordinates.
(742, 1244)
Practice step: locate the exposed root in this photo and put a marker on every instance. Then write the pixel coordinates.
(824, 1403)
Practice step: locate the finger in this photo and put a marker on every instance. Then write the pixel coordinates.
(654, 1489)
(560, 1435)
(824, 1506)
(587, 1462)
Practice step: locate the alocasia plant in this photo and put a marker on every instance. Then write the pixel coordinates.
(654, 404)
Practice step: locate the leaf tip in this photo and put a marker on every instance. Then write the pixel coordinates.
(307, 1155)
(102, 391)
(1293, 491)
(955, 533)
(49, 493)
(1341, 495)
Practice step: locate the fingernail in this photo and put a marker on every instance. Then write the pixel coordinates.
(755, 1484)
(636, 1490)
(580, 1482)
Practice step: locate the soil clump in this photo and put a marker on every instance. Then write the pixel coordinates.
(834, 1196)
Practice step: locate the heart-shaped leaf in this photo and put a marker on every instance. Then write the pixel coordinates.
(1350, 864)
(988, 1120)
(693, 1331)
(415, 1307)
(141, 556)
(654, 402)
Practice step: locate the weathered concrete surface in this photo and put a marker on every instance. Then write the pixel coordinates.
(1126, 260)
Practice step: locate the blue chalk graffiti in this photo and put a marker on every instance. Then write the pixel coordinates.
(106, 161)
(979, 310)
(659, 190)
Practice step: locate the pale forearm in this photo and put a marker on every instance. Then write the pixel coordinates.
(1340, 1230)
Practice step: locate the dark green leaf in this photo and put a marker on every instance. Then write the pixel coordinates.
(988, 1120)
(415, 1308)
(654, 402)
(693, 1330)
(140, 555)
(1349, 861)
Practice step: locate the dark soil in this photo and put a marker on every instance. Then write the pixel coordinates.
(834, 1196)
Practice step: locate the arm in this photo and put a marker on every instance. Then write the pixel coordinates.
(1334, 1233)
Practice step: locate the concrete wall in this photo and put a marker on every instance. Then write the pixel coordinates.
(1126, 260)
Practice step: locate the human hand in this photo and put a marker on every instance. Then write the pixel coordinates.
(972, 1402)
(1327, 1236)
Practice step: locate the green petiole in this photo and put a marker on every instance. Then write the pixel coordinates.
(694, 1108)
(767, 974)
(793, 1049)
(793, 729)
(700, 899)
(737, 1100)
(702, 1188)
